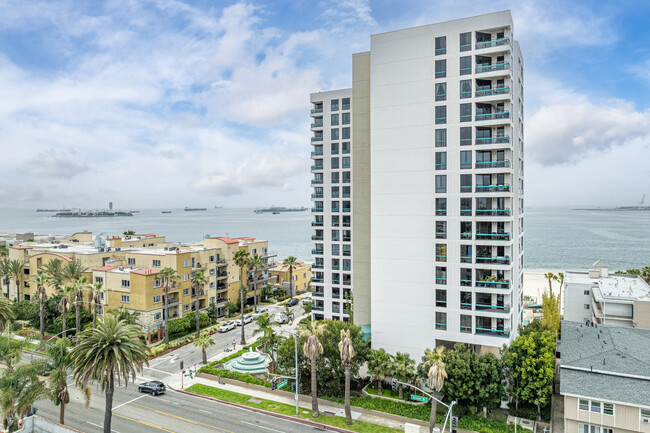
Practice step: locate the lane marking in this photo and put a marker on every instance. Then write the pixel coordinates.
(261, 426)
(123, 404)
(101, 427)
(143, 422)
(205, 411)
(159, 371)
(181, 418)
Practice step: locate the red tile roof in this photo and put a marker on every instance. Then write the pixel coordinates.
(148, 235)
(226, 240)
(246, 238)
(146, 271)
(68, 259)
(104, 268)
(21, 247)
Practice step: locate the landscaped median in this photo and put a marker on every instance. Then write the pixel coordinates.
(287, 410)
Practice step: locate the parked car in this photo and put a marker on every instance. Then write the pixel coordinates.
(227, 326)
(307, 298)
(258, 314)
(291, 302)
(154, 387)
(247, 319)
(280, 318)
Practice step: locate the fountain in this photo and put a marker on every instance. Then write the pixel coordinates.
(250, 362)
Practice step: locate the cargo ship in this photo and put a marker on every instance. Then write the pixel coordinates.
(92, 214)
(276, 210)
(194, 209)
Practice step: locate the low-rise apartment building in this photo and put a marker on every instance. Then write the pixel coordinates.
(301, 276)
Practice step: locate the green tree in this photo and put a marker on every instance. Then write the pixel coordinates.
(241, 258)
(169, 280)
(79, 286)
(96, 291)
(123, 314)
(265, 327)
(213, 312)
(203, 342)
(4, 251)
(531, 360)
(379, 364)
(198, 284)
(6, 313)
(403, 369)
(15, 268)
(267, 292)
(560, 279)
(53, 270)
(232, 307)
(4, 272)
(291, 262)
(551, 308)
(10, 350)
(436, 376)
(460, 383)
(255, 263)
(550, 277)
(488, 381)
(73, 271)
(64, 307)
(115, 350)
(312, 349)
(40, 280)
(129, 233)
(19, 389)
(347, 353)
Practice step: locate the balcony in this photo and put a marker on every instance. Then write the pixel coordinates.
(317, 209)
(317, 125)
(492, 164)
(347, 282)
(492, 91)
(318, 294)
(346, 209)
(492, 212)
(349, 224)
(492, 116)
(317, 252)
(492, 140)
(317, 153)
(490, 68)
(345, 107)
(505, 333)
(317, 224)
(493, 260)
(316, 110)
(492, 236)
(347, 253)
(441, 212)
(466, 236)
(317, 266)
(317, 307)
(317, 138)
(494, 43)
(441, 280)
(441, 235)
(316, 280)
(347, 238)
(336, 309)
(317, 195)
(336, 280)
(494, 308)
(347, 268)
(316, 238)
(316, 167)
(492, 188)
(493, 284)
(317, 181)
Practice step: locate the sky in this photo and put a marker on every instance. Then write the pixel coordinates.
(169, 103)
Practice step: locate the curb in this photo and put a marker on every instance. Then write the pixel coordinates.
(266, 412)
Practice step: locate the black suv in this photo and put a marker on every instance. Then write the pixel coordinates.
(154, 387)
(292, 302)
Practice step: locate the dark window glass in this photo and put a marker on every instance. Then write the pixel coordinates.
(335, 104)
(465, 41)
(345, 133)
(465, 159)
(465, 135)
(441, 160)
(466, 65)
(466, 112)
(441, 45)
(441, 206)
(335, 133)
(441, 138)
(441, 91)
(465, 89)
(441, 298)
(441, 68)
(441, 321)
(441, 114)
(466, 300)
(465, 206)
(441, 183)
(345, 118)
(465, 183)
(335, 119)
(441, 229)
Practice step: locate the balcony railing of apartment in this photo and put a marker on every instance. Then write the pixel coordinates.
(316, 181)
(221, 300)
(466, 283)
(347, 268)
(492, 140)
(464, 165)
(495, 67)
(466, 236)
(317, 209)
(346, 209)
(441, 235)
(494, 43)
(441, 189)
(347, 282)
(493, 284)
(335, 209)
(317, 125)
(441, 280)
(346, 195)
(466, 259)
(441, 212)
(495, 308)
(317, 266)
(492, 116)
(347, 238)
(466, 188)
(317, 195)
(317, 224)
(319, 252)
(317, 138)
(442, 166)
(492, 188)
(345, 106)
(465, 94)
(318, 294)
(441, 258)
(316, 110)
(336, 267)
(505, 333)
(492, 236)
(465, 305)
(316, 167)
(494, 260)
(441, 303)
(348, 224)
(491, 91)
(441, 119)
(347, 253)
(336, 281)
(441, 143)
(336, 310)
(316, 238)
(317, 307)
(317, 153)
(316, 280)
(492, 164)
(334, 166)
(492, 212)
(222, 287)
(466, 212)
(345, 180)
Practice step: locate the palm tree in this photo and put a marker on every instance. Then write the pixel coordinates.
(129, 233)
(203, 342)
(19, 389)
(198, 283)
(60, 361)
(264, 324)
(10, 350)
(312, 350)
(73, 271)
(347, 353)
(4, 272)
(96, 291)
(64, 307)
(114, 350)
(550, 276)
(379, 364)
(53, 270)
(40, 280)
(169, 279)
(15, 268)
(291, 263)
(4, 251)
(403, 369)
(435, 379)
(6, 313)
(256, 262)
(560, 279)
(241, 259)
(79, 285)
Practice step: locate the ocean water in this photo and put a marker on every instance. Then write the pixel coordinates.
(555, 238)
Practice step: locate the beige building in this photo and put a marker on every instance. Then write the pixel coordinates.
(301, 276)
(605, 378)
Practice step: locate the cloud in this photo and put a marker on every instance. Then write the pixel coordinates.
(59, 164)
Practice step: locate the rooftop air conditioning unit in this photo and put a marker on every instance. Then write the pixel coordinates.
(118, 249)
(121, 268)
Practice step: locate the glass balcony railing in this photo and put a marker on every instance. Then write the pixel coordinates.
(492, 140)
(492, 116)
(493, 260)
(492, 164)
(493, 43)
(490, 68)
(317, 266)
(317, 138)
(316, 238)
(317, 307)
(318, 294)
(317, 125)
(317, 252)
(317, 224)
(505, 333)
(441, 280)
(492, 236)
(495, 308)
(492, 212)
(317, 153)
(466, 235)
(317, 195)
(316, 167)
(493, 284)
(316, 280)
(336, 310)
(345, 106)
(317, 209)
(316, 110)
(492, 188)
(316, 181)
(441, 235)
(491, 91)
(347, 268)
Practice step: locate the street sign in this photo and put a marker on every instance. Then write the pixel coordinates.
(281, 384)
(418, 398)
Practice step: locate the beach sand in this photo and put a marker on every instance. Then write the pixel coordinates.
(535, 284)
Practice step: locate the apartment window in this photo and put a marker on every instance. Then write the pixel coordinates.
(346, 192)
(130, 261)
(345, 118)
(213, 271)
(335, 206)
(465, 135)
(441, 160)
(466, 230)
(441, 183)
(465, 206)
(335, 235)
(608, 408)
(347, 250)
(466, 277)
(465, 300)
(586, 292)
(465, 89)
(335, 119)
(465, 41)
(441, 298)
(212, 284)
(441, 68)
(595, 407)
(346, 103)
(335, 105)
(335, 148)
(441, 91)
(335, 220)
(156, 283)
(441, 229)
(156, 263)
(156, 299)
(211, 259)
(586, 306)
(186, 263)
(645, 415)
(441, 114)
(466, 112)
(335, 249)
(335, 192)
(334, 134)
(465, 183)
(465, 324)
(441, 321)
(334, 163)
(125, 299)
(345, 133)
(97, 280)
(465, 159)
(335, 177)
(466, 65)
(441, 252)
(441, 206)
(186, 307)
(345, 162)
(346, 177)
(345, 147)
(441, 138)
(583, 405)
(126, 283)
(466, 257)
(186, 277)
(157, 316)
(441, 45)
(441, 275)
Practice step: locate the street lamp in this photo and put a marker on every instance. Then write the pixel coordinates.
(31, 352)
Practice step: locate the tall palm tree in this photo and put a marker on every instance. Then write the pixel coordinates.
(54, 272)
(10, 350)
(169, 279)
(73, 271)
(560, 279)
(80, 286)
(312, 350)
(40, 280)
(64, 307)
(16, 272)
(57, 381)
(256, 262)
(379, 364)
(264, 326)
(550, 276)
(347, 353)
(6, 313)
(203, 342)
(4, 272)
(114, 350)
(19, 389)
(198, 283)
(291, 263)
(435, 378)
(4, 251)
(96, 291)
(403, 369)
(241, 259)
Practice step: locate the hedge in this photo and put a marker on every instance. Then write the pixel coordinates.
(235, 375)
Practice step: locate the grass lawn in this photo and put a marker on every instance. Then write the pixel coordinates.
(286, 409)
(385, 393)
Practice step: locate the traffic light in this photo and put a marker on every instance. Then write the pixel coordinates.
(394, 384)
(300, 388)
(273, 384)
